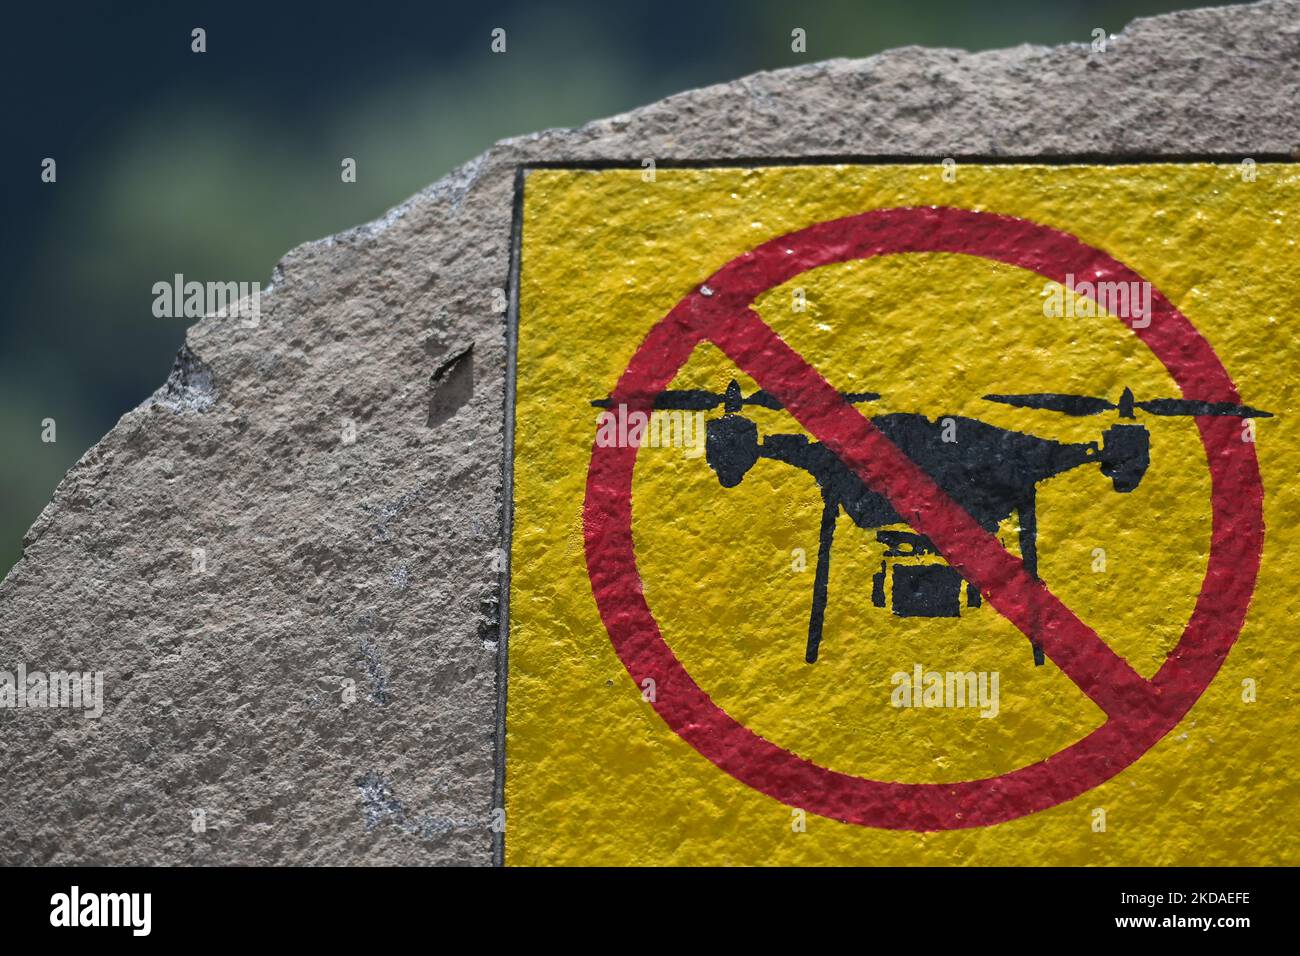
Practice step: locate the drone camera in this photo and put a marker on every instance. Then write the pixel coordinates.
(920, 585)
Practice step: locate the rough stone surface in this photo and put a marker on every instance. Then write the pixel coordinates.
(373, 561)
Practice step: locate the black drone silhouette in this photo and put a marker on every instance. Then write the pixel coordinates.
(990, 471)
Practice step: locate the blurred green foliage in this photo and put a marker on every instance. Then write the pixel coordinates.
(215, 165)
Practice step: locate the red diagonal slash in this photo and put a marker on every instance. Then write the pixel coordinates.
(975, 553)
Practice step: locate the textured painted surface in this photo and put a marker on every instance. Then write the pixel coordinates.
(596, 775)
(374, 562)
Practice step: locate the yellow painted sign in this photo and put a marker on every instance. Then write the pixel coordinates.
(905, 515)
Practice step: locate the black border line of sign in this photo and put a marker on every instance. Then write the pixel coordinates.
(895, 159)
(512, 340)
(507, 514)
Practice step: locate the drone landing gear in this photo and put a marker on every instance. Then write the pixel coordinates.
(1029, 555)
(830, 511)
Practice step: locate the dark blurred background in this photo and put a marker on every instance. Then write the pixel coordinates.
(213, 165)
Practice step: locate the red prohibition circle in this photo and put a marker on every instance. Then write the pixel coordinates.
(1139, 711)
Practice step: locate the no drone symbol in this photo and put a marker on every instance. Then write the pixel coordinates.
(1139, 712)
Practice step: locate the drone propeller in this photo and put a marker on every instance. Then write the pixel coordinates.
(699, 400)
(1079, 405)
